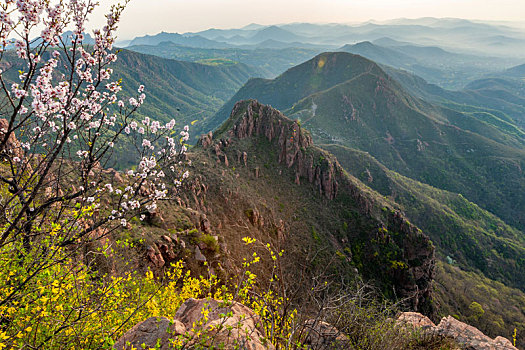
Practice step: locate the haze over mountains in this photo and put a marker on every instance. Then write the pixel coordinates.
(457, 34)
(446, 52)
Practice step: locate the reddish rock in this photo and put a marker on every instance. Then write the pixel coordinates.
(118, 178)
(198, 255)
(11, 145)
(416, 320)
(206, 140)
(149, 332)
(205, 224)
(242, 329)
(168, 255)
(255, 217)
(322, 335)
(471, 337)
(224, 159)
(155, 257)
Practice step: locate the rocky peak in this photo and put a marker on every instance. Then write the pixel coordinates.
(410, 273)
(252, 119)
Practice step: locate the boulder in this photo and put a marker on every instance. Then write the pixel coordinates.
(322, 335)
(471, 337)
(242, 329)
(198, 255)
(416, 320)
(468, 336)
(149, 332)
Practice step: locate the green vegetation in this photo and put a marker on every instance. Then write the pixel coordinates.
(350, 101)
(460, 229)
(465, 235)
(217, 62)
(269, 62)
(491, 306)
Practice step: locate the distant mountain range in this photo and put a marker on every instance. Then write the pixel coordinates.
(462, 36)
(185, 40)
(437, 66)
(447, 52)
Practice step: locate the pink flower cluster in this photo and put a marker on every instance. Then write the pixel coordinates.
(68, 110)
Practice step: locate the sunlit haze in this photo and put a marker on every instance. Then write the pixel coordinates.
(152, 16)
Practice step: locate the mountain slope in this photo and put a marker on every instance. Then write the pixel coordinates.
(259, 171)
(271, 61)
(317, 74)
(182, 90)
(476, 251)
(348, 100)
(461, 230)
(497, 98)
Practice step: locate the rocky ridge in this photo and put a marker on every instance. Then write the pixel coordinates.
(251, 121)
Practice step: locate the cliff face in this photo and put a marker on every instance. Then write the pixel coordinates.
(376, 238)
(292, 143)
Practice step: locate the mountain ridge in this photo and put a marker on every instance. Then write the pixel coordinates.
(426, 142)
(267, 136)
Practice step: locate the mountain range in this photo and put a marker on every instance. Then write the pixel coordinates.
(397, 157)
(347, 100)
(391, 152)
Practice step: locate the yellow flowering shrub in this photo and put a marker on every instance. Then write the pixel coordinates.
(50, 299)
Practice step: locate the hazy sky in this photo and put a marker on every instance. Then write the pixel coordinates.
(152, 16)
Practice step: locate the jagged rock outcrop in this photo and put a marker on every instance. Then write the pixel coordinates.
(468, 336)
(206, 139)
(11, 145)
(292, 141)
(242, 329)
